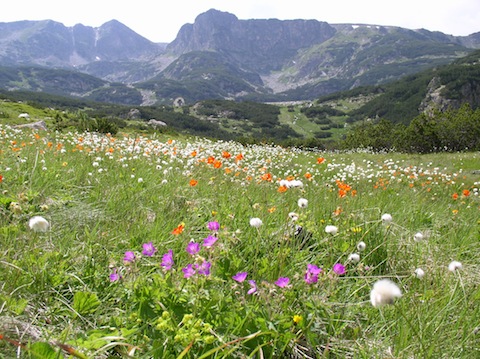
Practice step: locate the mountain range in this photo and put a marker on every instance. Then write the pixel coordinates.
(217, 57)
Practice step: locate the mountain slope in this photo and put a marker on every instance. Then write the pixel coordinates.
(222, 57)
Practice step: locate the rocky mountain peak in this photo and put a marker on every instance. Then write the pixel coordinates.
(262, 45)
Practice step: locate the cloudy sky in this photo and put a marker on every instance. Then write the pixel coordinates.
(160, 21)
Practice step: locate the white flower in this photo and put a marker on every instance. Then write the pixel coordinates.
(387, 218)
(293, 216)
(330, 229)
(302, 202)
(454, 265)
(418, 237)
(140, 180)
(384, 292)
(419, 273)
(296, 183)
(361, 246)
(354, 258)
(256, 222)
(38, 224)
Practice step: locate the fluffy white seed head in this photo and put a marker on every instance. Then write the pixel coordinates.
(256, 222)
(330, 229)
(384, 292)
(361, 246)
(454, 265)
(387, 218)
(419, 273)
(38, 224)
(354, 258)
(293, 216)
(418, 237)
(302, 202)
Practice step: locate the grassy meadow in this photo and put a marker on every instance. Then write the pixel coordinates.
(144, 246)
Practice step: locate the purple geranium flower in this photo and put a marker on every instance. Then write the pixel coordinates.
(114, 276)
(193, 248)
(240, 277)
(253, 286)
(339, 268)
(213, 226)
(167, 260)
(203, 268)
(311, 275)
(282, 282)
(148, 249)
(188, 271)
(209, 241)
(129, 257)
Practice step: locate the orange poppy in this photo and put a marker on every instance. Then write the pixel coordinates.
(179, 229)
(466, 192)
(193, 182)
(267, 177)
(320, 160)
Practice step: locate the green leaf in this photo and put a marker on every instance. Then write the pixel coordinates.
(42, 350)
(85, 302)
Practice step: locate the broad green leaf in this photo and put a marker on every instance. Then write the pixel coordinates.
(85, 302)
(42, 350)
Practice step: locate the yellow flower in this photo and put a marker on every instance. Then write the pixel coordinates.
(297, 319)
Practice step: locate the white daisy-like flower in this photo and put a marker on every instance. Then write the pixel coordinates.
(384, 292)
(454, 265)
(387, 218)
(331, 229)
(256, 222)
(361, 246)
(419, 273)
(38, 224)
(418, 237)
(354, 258)
(302, 202)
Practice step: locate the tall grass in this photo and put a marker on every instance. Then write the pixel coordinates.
(71, 291)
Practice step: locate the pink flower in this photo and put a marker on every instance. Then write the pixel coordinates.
(213, 226)
(282, 282)
(129, 257)
(188, 271)
(203, 268)
(253, 287)
(114, 276)
(148, 249)
(240, 277)
(193, 248)
(311, 275)
(209, 241)
(339, 269)
(167, 260)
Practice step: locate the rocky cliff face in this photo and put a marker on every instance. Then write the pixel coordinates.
(261, 45)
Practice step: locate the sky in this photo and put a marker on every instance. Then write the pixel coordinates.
(160, 21)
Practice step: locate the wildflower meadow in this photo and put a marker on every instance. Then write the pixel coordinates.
(145, 246)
